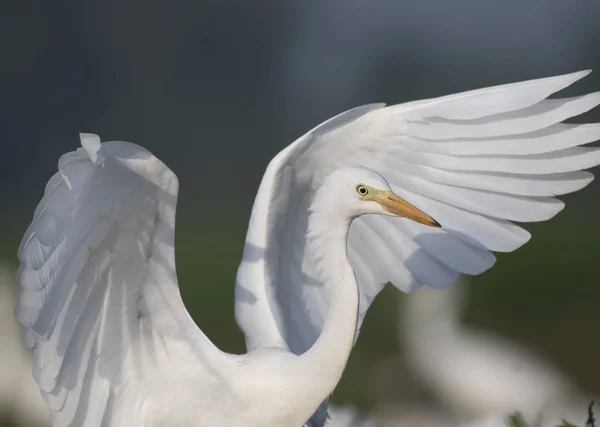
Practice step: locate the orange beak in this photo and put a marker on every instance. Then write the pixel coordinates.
(396, 205)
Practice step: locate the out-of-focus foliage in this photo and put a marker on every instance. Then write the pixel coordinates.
(591, 420)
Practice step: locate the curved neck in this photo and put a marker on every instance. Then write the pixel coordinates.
(328, 356)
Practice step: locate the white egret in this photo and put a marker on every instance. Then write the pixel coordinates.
(477, 374)
(109, 215)
(390, 416)
(114, 344)
(495, 420)
(346, 416)
(481, 374)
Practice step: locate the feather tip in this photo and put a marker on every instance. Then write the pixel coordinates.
(91, 143)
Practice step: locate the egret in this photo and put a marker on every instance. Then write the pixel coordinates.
(483, 375)
(100, 303)
(390, 416)
(477, 374)
(346, 416)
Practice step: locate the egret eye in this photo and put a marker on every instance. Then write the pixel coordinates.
(362, 190)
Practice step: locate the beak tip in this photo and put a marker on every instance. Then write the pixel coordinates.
(436, 224)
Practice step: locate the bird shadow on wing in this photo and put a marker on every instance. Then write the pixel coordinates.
(441, 257)
(252, 254)
(244, 295)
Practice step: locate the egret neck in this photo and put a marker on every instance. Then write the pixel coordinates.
(327, 235)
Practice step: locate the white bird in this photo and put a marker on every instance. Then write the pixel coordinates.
(390, 415)
(493, 420)
(346, 416)
(117, 346)
(20, 400)
(474, 373)
(114, 344)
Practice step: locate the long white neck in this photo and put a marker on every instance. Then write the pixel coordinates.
(328, 356)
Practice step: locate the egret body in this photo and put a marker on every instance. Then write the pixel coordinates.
(99, 298)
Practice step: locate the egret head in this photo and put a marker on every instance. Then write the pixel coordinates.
(358, 190)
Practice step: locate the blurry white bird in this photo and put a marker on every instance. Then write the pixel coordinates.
(114, 344)
(393, 414)
(346, 416)
(20, 400)
(476, 374)
(492, 420)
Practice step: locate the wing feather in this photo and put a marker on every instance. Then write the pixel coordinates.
(502, 205)
(475, 161)
(556, 137)
(512, 122)
(483, 102)
(510, 183)
(98, 291)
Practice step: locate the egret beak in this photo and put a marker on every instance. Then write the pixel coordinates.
(396, 205)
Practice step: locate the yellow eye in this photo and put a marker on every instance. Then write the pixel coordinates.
(362, 190)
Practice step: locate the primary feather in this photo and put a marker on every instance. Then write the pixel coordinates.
(475, 161)
(99, 299)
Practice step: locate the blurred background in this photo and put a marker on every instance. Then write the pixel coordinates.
(217, 88)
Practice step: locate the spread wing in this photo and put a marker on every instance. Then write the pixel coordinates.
(475, 161)
(99, 300)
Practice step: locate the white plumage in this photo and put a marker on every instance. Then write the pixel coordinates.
(474, 373)
(99, 299)
(478, 375)
(346, 416)
(392, 415)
